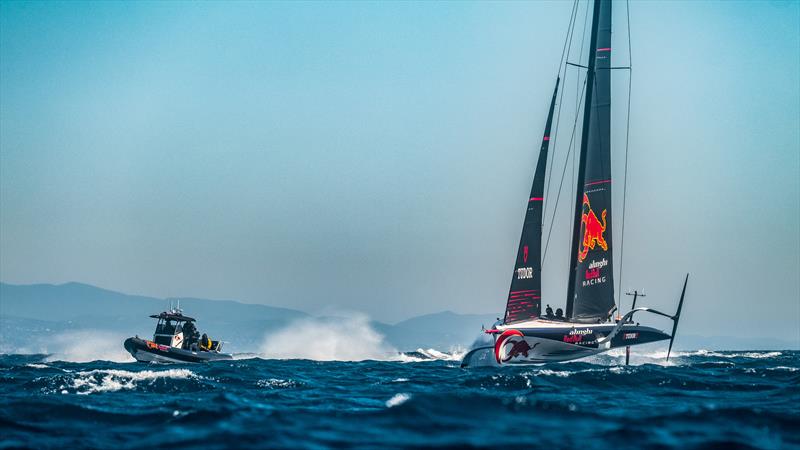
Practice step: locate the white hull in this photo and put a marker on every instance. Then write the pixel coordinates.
(541, 341)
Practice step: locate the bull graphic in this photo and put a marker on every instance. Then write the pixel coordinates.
(592, 230)
(520, 347)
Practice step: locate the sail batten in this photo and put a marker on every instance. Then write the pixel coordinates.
(591, 285)
(524, 295)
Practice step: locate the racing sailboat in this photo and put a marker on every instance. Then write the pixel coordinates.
(524, 335)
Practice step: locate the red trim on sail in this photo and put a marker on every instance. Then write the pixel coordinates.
(536, 199)
(604, 49)
(597, 182)
(546, 138)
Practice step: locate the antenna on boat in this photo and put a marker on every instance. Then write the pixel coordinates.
(636, 294)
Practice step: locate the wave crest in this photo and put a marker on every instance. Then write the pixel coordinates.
(111, 380)
(422, 355)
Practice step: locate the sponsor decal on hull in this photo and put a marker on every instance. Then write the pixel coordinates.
(510, 345)
(154, 346)
(576, 336)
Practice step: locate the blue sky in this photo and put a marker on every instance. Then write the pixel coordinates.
(377, 156)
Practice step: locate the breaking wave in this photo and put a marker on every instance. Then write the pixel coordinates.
(397, 399)
(115, 380)
(85, 382)
(422, 355)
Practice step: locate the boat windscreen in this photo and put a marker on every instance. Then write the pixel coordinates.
(174, 317)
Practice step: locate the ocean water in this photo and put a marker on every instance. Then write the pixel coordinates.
(699, 399)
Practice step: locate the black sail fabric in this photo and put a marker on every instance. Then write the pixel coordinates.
(524, 296)
(592, 289)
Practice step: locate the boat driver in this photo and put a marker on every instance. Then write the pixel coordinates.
(190, 335)
(169, 328)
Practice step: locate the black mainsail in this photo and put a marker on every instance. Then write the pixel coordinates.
(590, 295)
(524, 296)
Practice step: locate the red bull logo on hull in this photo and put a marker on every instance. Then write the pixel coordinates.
(593, 230)
(510, 345)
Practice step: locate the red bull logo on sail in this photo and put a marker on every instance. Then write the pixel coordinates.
(593, 230)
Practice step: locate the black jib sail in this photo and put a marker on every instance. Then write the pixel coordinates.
(524, 296)
(591, 285)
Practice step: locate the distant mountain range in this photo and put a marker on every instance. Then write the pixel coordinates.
(40, 310)
(32, 315)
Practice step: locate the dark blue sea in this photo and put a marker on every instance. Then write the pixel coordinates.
(699, 399)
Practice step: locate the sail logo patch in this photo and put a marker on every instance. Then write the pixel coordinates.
(525, 254)
(598, 264)
(524, 273)
(592, 275)
(593, 230)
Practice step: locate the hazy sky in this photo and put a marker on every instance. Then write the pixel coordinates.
(378, 156)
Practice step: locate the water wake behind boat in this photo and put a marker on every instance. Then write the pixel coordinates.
(350, 338)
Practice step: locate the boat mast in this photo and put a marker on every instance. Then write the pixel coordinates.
(576, 224)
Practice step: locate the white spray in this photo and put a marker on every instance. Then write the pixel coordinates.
(341, 339)
(85, 346)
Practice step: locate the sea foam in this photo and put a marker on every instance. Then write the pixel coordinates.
(110, 380)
